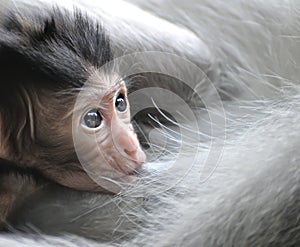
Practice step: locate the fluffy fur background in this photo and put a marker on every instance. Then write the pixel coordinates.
(250, 197)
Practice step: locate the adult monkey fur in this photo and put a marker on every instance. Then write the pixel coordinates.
(252, 199)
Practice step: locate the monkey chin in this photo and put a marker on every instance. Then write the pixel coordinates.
(110, 175)
(113, 184)
(118, 181)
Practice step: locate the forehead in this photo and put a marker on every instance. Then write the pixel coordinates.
(99, 91)
(101, 85)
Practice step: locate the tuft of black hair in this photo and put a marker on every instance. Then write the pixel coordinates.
(59, 48)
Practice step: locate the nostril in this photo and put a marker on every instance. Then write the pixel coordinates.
(130, 153)
(137, 156)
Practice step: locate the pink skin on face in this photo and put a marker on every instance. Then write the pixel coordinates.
(126, 142)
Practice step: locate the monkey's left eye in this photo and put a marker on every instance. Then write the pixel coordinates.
(121, 103)
(92, 119)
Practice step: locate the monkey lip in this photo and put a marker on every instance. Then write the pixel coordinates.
(128, 178)
(133, 173)
(132, 170)
(129, 166)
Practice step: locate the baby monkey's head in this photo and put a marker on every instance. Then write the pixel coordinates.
(61, 112)
(104, 138)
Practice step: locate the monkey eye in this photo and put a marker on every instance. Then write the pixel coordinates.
(92, 119)
(121, 103)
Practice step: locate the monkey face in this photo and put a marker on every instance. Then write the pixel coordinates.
(60, 115)
(105, 142)
(83, 140)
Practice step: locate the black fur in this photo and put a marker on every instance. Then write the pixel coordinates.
(54, 51)
(9, 168)
(39, 50)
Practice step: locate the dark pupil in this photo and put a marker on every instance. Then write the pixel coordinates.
(92, 119)
(121, 103)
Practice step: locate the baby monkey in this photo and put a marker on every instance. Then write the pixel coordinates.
(46, 132)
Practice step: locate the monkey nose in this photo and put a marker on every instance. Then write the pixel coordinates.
(127, 142)
(132, 149)
(136, 155)
(130, 143)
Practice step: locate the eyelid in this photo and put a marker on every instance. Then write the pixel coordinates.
(121, 90)
(118, 92)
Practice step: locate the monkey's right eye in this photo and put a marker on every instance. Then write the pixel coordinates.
(92, 119)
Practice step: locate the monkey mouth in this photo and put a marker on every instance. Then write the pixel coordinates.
(133, 173)
(128, 166)
(128, 178)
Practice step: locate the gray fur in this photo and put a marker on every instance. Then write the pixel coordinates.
(252, 197)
